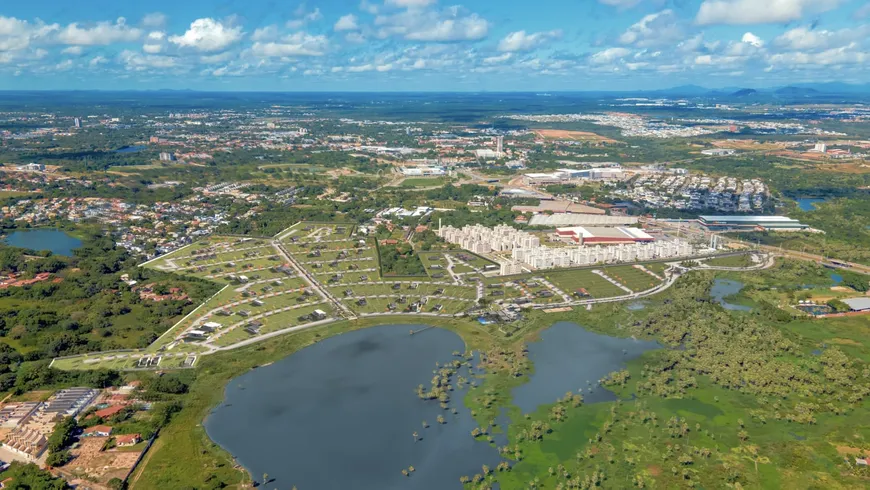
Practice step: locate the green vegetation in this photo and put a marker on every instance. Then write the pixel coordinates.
(400, 260)
(732, 261)
(31, 477)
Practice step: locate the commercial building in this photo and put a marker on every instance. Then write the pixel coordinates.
(718, 152)
(566, 175)
(604, 236)
(167, 157)
(751, 223)
(858, 304)
(69, 402)
(550, 206)
(423, 171)
(569, 219)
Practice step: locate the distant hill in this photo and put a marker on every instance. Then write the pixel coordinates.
(796, 91)
(745, 92)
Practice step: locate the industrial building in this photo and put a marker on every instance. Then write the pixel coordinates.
(604, 236)
(751, 223)
(719, 152)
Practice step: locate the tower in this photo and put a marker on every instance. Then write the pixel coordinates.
(499, 146)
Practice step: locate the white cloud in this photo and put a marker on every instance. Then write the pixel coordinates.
(653, 30)
(268, 33)
(304, 18)
(760, 11)
(102, 33)
(347, 23)
(521, 41)
(355, 37)
(208, 35)
(155, 20)
(752, 40)
(410, 3)
(16, 34)
(429, 25)
(297, 44)
(622, 4)
(73, 50)
(609, 55)
(63, 65)
(494, 60)
(845, 55)
(138, 62)
(152, 48)
(97, 60)
(808, 39)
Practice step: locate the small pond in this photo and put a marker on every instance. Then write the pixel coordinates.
(724, 288)
(571, 358)
(58, 242)
(809, 203)
(130, 149)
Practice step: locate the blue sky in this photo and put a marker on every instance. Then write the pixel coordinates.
(407, 45)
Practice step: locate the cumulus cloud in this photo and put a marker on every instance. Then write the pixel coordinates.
(297, 44)
(98, 60)
(622, 4)
(492, 60)
(521, 41)
(138, 62)
(155, 20)
(448, 25)
(73, 50)
(654, 29)
(347, 23)
(844, 55)
(760, 11)
(752, 40)
(410, 3)
(101, 33)
(608, 56)
(208, 35)
(807, 39)
(303, 17)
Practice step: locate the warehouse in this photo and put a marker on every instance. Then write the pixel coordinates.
(858, 304)
(604, 236)
(751, 223)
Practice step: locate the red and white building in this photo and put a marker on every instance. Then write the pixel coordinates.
(604, 236)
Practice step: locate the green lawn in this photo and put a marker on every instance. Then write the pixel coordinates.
(733, 261)
(424, 182)
(571, 281)
(632, 277)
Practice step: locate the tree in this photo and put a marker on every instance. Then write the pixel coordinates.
(58, 458)
(116, 484)
(62, 436)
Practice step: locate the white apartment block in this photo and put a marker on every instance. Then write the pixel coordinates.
(480, 239)
(548, 258)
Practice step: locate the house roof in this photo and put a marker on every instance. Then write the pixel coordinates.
(99, 428)
(128, 438)
(108, 412)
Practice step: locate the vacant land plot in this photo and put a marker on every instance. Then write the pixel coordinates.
(733, 261)
(658, 267)
(632, 277)
(595, 285)
(561, 134)
(424, 182)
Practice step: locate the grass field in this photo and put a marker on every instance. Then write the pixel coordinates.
(424, 182)
(632, 277)
(733, 261)
(571, 281)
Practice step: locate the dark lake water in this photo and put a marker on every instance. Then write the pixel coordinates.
(340, 415)
(130, 149)
(809, 203)
(44, 239)
(723, 288)
(566, 357)
(837, 278)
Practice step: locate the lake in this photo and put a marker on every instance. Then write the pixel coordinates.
(340, 414)
(58, 242)
(130, 149)
(567, 357)
(723, 288)
(809, 203)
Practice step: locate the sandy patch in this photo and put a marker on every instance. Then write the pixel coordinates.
(560, 134)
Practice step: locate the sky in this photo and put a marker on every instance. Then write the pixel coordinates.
(430, 45)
